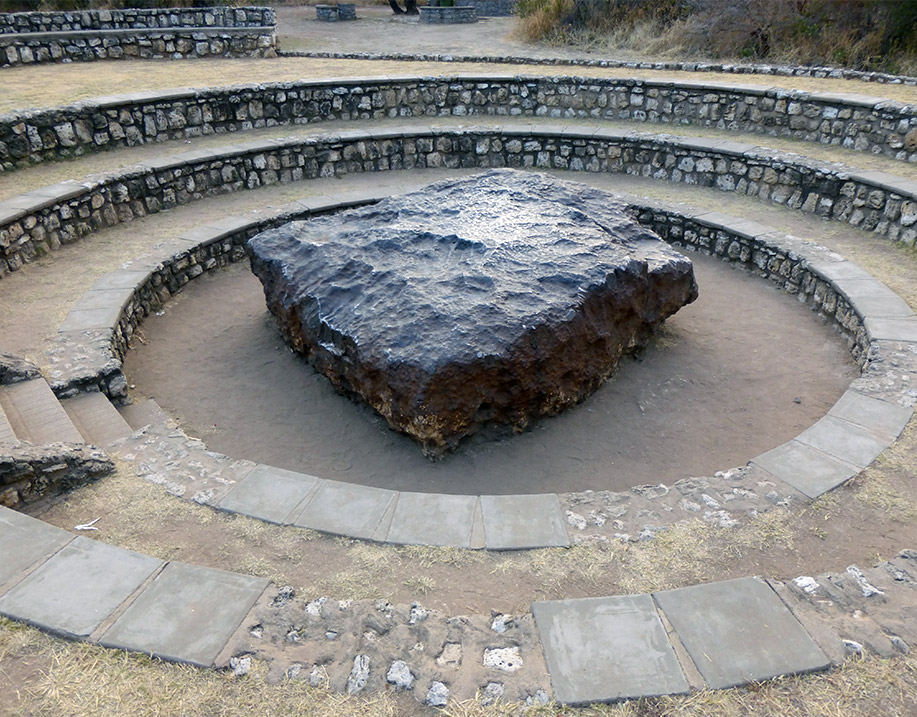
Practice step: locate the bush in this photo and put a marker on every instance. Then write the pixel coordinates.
(865, 34)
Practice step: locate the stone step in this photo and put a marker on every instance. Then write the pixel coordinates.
(6, 430)
(97, 420)
(143, 413)
(35, 414)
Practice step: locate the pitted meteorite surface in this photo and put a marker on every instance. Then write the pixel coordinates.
(491, 299)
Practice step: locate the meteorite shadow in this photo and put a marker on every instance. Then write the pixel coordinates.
(738, 372)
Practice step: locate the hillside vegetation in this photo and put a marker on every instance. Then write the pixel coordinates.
(862, 34)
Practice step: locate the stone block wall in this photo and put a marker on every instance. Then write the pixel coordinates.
(458, 14)
(176, 33)
(178, 43)
(869, 125)
(35, 223)
(134, 19)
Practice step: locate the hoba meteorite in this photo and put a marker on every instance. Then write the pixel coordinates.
(496, 298)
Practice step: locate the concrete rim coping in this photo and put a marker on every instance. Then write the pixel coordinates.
(853, 433)
(138, 101)
(677, 66)
(749, 157)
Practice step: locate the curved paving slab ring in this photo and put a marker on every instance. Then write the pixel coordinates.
(38, 221)
(856, 122)
(597, 649)
(851, 436)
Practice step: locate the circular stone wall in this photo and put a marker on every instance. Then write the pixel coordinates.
(742, 370)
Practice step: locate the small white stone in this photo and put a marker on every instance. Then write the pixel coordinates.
(505, 659)
(576, 520)
(399, 675)
(502, 623)
(806, 583)
(314, 608)
(359, 675)
(241, 665)
(437, 695)
(867, 589)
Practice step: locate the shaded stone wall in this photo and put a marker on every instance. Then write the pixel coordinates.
(448, 15)
(176, 33)
(133, 18)
(178, 43)
(866, 124)
(34, 223)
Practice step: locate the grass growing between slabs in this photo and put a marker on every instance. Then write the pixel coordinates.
(52, 677)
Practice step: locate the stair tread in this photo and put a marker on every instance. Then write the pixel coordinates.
(143, 413)
(35, 414)
(97, 420)
(6, 430)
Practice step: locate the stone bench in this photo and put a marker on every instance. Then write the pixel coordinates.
(447, 15)
(334, 13)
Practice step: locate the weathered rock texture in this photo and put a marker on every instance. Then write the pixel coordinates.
(29, 473)
(14, 369)
(492, 299)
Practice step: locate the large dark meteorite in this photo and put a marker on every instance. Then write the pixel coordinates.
(491, 299)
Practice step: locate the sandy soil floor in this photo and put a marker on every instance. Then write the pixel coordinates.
(738, 372)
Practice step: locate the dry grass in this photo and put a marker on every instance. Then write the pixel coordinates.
(52, 85)
(134, 684)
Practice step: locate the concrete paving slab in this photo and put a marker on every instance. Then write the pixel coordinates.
(433, 519)
(513, 522)
(24, 541)
(78, 588)
(345, 509)
(881, 418)
(892, 329)
(104, 299)
(739, 631)
(121, 279)
(271, 494)
(187, 614)
(870, 297)
(843, 440)
(605, 649)
(86, 320)
(806, 469)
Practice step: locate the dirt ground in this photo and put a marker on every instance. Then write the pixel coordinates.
(732, 375)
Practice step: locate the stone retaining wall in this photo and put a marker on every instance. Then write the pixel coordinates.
(176, 43)
(34, 223)
(133, 19)
(459, 14)
(176, 33)
(855, 122)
